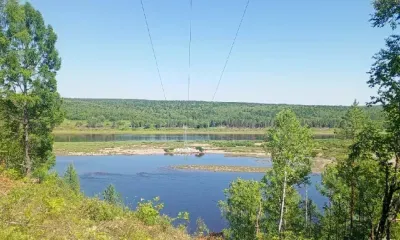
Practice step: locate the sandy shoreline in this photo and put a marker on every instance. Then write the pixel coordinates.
(155, 151)
(319, 163)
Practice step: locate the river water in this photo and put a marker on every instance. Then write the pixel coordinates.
(142, 176)
(161, 137)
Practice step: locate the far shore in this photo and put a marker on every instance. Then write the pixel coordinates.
(154, 151)
(85, 130)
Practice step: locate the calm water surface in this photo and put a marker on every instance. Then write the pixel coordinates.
(196, 192)
(161, 137)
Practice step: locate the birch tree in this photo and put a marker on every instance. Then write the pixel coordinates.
(290, 145)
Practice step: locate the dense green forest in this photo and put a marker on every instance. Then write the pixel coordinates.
(197, 114)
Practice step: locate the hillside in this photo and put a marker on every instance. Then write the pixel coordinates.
(197, 114)
(51, 210)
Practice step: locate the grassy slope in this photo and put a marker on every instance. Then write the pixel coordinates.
(50, 210)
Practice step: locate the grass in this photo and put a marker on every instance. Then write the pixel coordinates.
(221, 168)
(69, 127)
(51, 210)
(332, 148)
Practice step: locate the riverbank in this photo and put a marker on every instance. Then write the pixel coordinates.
(233, 148)
(326, 151)
(69, 127)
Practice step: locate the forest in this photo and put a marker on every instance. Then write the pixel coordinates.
(198, 114)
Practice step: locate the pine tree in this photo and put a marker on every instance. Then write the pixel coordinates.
(72, 178)
(111, 195)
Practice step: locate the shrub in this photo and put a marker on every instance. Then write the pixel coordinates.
(201, 228)
(149, 211)
(169, 150)
(72, 178)
(201, 149)
(111, 195)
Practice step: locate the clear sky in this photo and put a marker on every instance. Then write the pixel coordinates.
(287, 51)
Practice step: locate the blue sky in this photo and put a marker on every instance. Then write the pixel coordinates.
(287, 51)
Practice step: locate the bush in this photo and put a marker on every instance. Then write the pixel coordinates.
(72, 179)
(169, 150)
(201, 149)
(201, 228)
(51, 210)
(149, 211)
(13, 174)
(111, 196)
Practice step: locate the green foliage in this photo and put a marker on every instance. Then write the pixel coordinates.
(201, 228)
(272, 208)
(29, 103)
(149, 211)
(233, 143)
(242, 208)
(170, 114)
(352, 122)
(111, 195)
(72, 178)
(200, 149)
(12, 174)
(290, 146)
(386, 11)
(169, 150)
(51, 210)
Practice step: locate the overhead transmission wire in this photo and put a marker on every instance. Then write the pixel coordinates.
(152, 47)
(189, 66)
(230, 51)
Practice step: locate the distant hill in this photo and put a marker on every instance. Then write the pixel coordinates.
(198, 114)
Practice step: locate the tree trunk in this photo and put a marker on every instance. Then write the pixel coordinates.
(351, 208)
(283, 203)
(388, 229)
(306, 206)
(387, 199)
(258, 220)
(27, 159)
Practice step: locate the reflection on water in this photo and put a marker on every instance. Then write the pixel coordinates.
(197, 192)
(162, 137)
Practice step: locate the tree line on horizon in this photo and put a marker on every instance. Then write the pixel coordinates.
(197, 114)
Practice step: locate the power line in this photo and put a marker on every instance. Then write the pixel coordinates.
(190, 43)
(189, 65)
(152, 47)
(230, 51)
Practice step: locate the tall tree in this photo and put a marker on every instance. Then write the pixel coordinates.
(352, 122)
(290, 145)
(243, 209)
(30, 102)
(384, 75)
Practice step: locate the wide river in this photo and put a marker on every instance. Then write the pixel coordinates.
(196, 192)
(162, 137)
